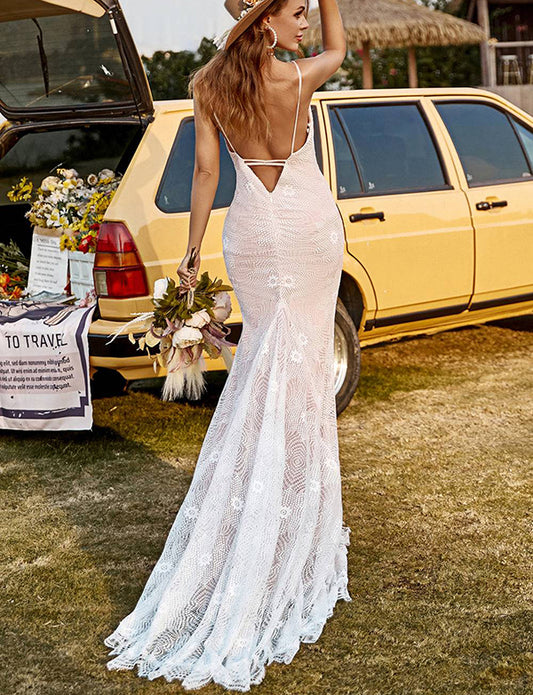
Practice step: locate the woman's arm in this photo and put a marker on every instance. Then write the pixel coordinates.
(318, 69)
(204, 187)
(205, 177)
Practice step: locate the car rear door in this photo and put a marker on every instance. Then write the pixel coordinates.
(495, 155)
(407, 221)
(69, 59)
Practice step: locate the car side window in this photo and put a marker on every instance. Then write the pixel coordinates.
(348, 180)
(390, 147)
(174, 192)
(526, 138)
(486, 142)
(318, 142)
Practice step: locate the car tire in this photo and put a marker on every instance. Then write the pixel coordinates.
(347, 357)
(107, 383)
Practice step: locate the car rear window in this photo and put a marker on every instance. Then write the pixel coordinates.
(59, 61)
(174, 193)
(384, 148)
(486, 142)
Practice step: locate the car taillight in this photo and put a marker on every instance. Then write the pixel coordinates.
(118, 270)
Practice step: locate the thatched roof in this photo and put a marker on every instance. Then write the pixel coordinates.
(396, 24)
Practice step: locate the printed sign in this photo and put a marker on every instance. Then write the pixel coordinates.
(48, 264)
(44, 366)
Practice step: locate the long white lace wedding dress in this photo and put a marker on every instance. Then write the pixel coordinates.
(257, 555)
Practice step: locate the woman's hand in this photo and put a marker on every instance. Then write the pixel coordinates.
(189, 276)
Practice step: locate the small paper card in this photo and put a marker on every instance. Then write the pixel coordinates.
(48, 264)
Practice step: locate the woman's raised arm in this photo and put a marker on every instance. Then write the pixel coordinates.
(318, 69)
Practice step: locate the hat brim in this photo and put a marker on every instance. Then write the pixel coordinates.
(248, 19)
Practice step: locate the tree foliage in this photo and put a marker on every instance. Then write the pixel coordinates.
(168, 71)
(438, 66)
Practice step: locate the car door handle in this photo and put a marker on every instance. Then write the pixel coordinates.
(487, 205)
(367, 216)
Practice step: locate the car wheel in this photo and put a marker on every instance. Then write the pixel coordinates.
(347, 357)
(107, 383)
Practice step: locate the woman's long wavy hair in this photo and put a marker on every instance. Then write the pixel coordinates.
(231, 83)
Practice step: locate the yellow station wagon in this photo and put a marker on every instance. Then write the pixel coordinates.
(435, 187)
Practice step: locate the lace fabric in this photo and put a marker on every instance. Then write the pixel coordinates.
(256, 558)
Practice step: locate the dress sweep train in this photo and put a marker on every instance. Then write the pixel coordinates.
(256, 558)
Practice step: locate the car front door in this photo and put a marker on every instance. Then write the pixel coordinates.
(495, 149)
(406, 219)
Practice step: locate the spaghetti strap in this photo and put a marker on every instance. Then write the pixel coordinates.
(224, 133)
(298, 104)
(270, 162)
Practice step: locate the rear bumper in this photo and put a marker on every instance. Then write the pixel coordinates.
(124, 357)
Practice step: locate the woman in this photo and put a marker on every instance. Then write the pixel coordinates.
(257, 556)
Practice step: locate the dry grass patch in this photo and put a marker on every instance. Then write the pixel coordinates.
(436, 461)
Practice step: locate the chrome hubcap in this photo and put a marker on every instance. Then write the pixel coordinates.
(341, 358)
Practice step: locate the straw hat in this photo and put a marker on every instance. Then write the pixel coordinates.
(245, 12)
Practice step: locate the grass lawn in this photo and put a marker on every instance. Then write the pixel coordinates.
(436, 450)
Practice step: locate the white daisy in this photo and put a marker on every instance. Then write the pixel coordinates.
(237, 503)
(288, 281)
(191, 512)
(296, 356)
(330, 463)
(232, 588)
(314, 485)
(204, 559)
(258, 486)
(214, 456)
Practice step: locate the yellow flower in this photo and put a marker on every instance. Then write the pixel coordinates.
(21, 190)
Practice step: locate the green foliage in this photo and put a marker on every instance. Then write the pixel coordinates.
(173, 306)
(438, 66)
(168, 71)
(13, 261)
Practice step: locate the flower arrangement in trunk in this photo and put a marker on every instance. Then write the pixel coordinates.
(13, 271)
(68, 202)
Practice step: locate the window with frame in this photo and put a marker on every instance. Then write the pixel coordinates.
(174, 192)
(384, 148)
(526, 138)
(486, 141)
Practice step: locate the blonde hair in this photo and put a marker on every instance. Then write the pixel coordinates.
(231, 83)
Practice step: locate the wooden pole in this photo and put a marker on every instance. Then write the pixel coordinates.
(413, 76)
(367, 66)
(488, 55)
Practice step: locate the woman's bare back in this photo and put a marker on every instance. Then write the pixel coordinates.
(281, 98)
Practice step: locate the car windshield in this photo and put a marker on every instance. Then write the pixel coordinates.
(58, 61)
